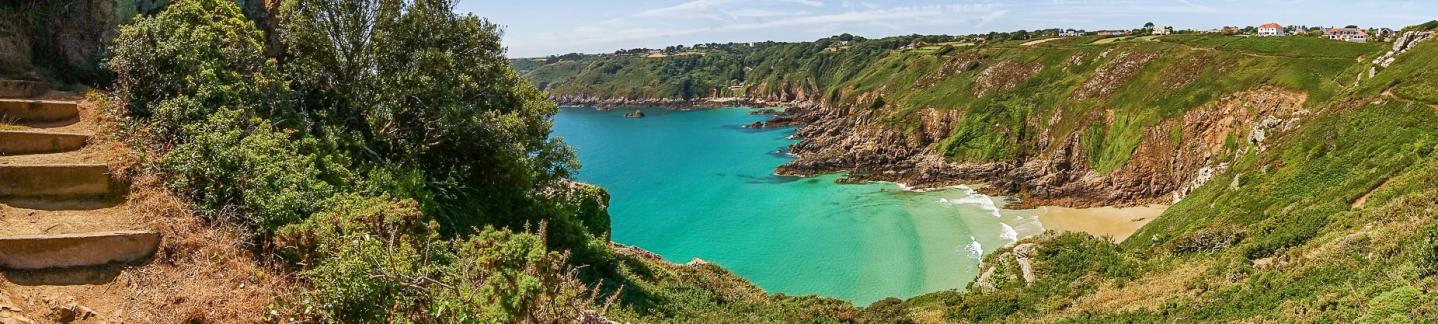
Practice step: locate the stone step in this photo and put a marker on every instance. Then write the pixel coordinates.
(22, 89)
(30, 142)
(37, 252)
(56, 180)
(26, 110)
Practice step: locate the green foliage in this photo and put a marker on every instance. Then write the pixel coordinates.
(1207, 240)
(237, 166)
(455, 109)
(1396, 306)
(1069, 264)
(204, 55)
(1426, 251)
(378, 261)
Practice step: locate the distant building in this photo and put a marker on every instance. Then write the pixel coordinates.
(1347, 34)
(916, 44)
(1069, 33)
(1270, 29)
(1385, 33)
(1112, 32)
(1163, 30)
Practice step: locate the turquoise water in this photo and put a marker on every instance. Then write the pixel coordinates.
(695, 184)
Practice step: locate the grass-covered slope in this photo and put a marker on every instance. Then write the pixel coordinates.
(1323, 209)
(1334, 221)
(1009, 93)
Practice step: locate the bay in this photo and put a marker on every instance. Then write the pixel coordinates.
(694, 184)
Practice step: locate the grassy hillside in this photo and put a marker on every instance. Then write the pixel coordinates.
(1325, 214)
(1107, 92)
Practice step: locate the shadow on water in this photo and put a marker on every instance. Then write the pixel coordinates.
(770, 179)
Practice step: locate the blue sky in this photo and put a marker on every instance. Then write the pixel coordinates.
(544, 27)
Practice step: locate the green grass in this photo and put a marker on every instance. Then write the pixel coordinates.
(1302, 252)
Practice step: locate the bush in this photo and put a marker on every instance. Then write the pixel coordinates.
(239, 166)
(455, 109)
(1207, 240)
(375, 260)
(1395, 306)
(1427, 251)
(179, 66)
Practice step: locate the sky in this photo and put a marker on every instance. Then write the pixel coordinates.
(547, 27)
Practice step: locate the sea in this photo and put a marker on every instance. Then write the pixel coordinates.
(695, 184)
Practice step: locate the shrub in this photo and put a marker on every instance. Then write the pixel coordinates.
(1207, 240)
(1426, 250)
(375, 260)
(204, 53)
(1395, 306)
(238, 166)
(455, 109)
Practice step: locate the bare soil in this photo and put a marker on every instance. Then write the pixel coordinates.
(201, 273)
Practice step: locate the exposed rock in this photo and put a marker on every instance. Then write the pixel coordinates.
(70, 312)
(593, 317)
(634, 252)
(696, 262)
(1022, 255)
(1161, 169)
(1404, 42)
(755, 125)
(985, 280)
(956, 65)
(1109, 77)
(1004, 76)
(765, 111)
(635, 114)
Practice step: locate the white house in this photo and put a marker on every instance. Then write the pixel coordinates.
(1347, 34)
(1270, 29)
(1163, 30)
(1069, 33)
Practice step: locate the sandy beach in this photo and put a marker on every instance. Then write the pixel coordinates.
(1113, 221)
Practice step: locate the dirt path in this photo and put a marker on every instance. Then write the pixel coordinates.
(197, 272)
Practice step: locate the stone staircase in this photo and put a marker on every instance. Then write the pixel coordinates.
(60, 209)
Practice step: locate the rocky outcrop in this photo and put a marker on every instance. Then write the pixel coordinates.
(1404, 42)
(1057, 172)
(1020, 255)
(634, 114)
(1109, 77)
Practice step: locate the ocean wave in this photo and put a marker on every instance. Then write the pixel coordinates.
(983, 202)
(975, 249)
(1009, 233)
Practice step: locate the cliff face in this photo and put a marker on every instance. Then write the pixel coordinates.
(1171, 159)
(1063, 123)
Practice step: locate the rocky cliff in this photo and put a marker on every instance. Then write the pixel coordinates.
(1064, 123)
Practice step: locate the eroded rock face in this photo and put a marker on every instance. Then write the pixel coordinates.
(1163, 168)
(1109, 77)
(1004, 76)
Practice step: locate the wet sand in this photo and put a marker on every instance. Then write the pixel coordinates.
(1112, 221)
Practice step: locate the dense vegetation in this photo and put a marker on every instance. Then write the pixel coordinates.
(393, 160)
(391, 157)
(1331, 220)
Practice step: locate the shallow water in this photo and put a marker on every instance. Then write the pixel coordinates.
(695, 184)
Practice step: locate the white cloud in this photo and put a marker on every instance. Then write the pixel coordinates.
(691, 7)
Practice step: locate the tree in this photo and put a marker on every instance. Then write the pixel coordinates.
(455, 110)
(1148, 25)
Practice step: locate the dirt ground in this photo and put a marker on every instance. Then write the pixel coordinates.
(201, 273)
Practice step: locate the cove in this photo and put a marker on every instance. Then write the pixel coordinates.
(694, 184)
